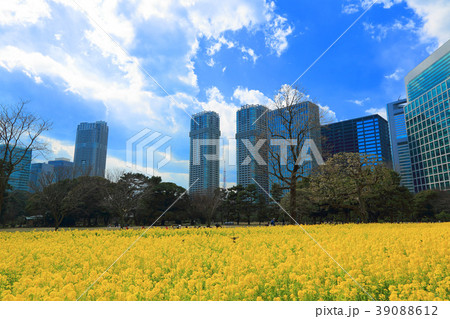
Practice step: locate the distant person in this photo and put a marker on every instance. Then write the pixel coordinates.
(272, 222)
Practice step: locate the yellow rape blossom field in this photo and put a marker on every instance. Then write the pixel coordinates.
(391, 261)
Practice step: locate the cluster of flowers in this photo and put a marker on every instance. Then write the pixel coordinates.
(391, 261)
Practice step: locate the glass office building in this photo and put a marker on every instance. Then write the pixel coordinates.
(427, 116)
(63, 168)
(307, 120)
(204, 153)
(90, 149)
(401, 159)
(37, 172)
(366, 135)
(21, 158)
(251, 127)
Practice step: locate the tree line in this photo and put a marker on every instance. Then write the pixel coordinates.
(349, 187)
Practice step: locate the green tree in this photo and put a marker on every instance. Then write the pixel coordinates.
(388, 200)
(276, 194)
(86, 200)
(249, 198)
(347, 180)
(123, 196)
(164, 197)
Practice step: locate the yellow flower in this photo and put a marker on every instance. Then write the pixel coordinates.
(391, 261)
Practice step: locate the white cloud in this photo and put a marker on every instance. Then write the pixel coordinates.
(433, 13)
(246, 96)
(359, 102)
(218, 45)
(224, 68)
(98, 70)
(380, 111)
(386, 3)
(277, 33)
(248, 52)
(57, 148)
(380, 31)
(210, 62)
(350, 8)
(116, 164)
(71, 77)
(397, 75)
(327, 115)
(24, 12)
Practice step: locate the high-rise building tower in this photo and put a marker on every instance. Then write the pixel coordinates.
(366, 135)
(428, 120)
(401, 159)
(251, 127)
(306, 119)
(204, 160)
(90, 149)
(19, 179)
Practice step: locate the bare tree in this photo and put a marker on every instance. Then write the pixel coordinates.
(19, 134)
(114, 174)
(43, 180)
(54, 199)
(55, 175)
(291, 123)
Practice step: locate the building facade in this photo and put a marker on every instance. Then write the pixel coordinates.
(90, 149)
(38, 172)
(427, 116)
(306, 120)
(401, 160)
(204, 159)
(62, 168)
(365, 135)
(21, 158)
(251, 127)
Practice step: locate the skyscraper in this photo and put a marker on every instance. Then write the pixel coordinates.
(366, 135)
(428, 120)
(204, 153)
(251, 127)
(401, 159)
(90, 149)
(19, 179)
(305, 119)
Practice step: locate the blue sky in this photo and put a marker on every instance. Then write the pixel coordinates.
(68, 58)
